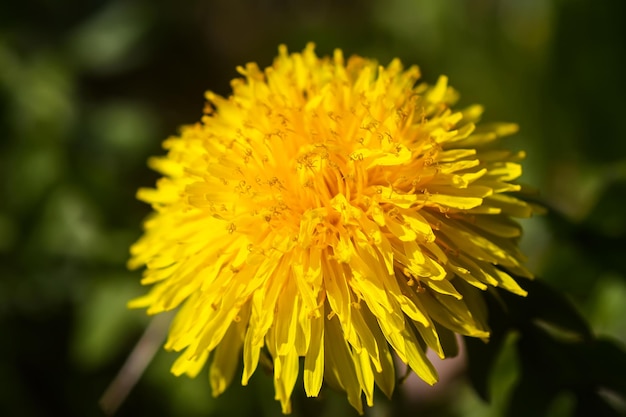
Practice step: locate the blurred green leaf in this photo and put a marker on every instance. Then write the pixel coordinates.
(110, 39)
(558, 354)
(8, 232)
(562, 405)
(549, 309)
(41, 95)
(103, 322)
(70, 224)
(606, 365)
(606, 308)
(481, 358)
(37, 169)
(607, 216)
(124, 128)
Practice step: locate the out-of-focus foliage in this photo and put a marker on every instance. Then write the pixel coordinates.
(88, 90)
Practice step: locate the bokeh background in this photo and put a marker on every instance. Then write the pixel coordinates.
(89, 89)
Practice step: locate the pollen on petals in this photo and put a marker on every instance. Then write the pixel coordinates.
(334, 210)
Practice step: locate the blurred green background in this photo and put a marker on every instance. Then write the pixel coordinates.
(89, 89)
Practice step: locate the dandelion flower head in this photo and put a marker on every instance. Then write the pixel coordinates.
(329, 215)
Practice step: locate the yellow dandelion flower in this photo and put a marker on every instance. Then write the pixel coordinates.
(333, 211)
